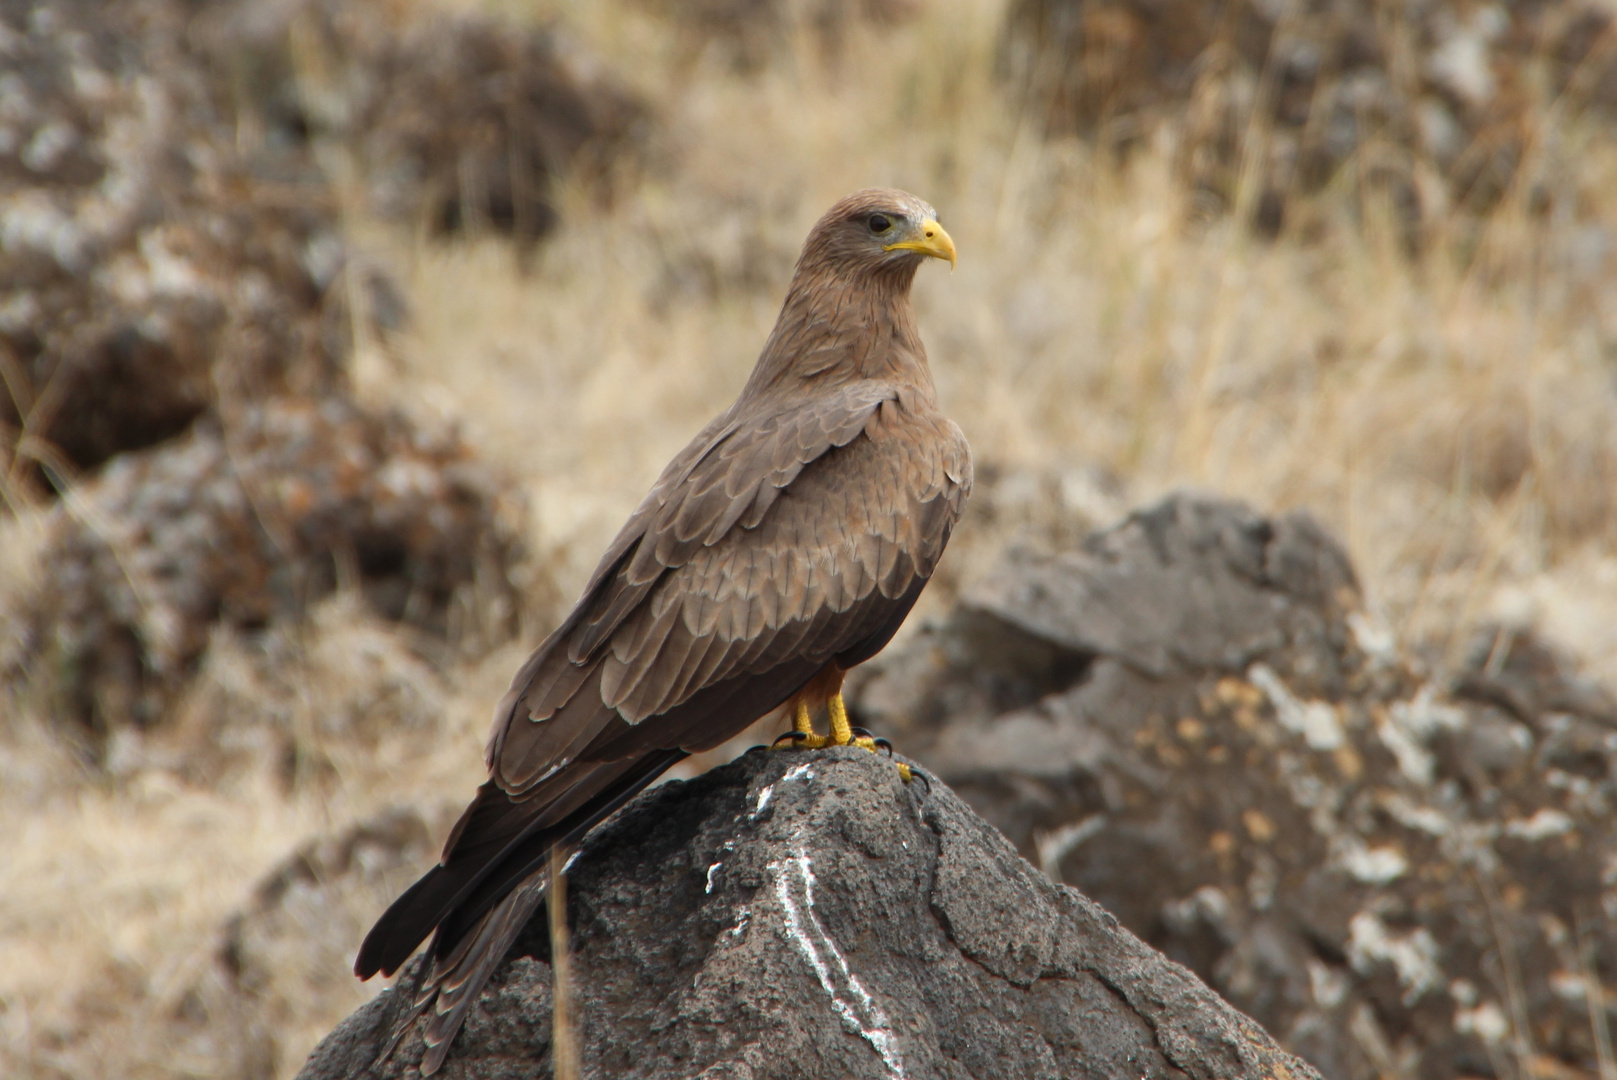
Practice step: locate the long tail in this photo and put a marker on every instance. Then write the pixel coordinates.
(479, 925)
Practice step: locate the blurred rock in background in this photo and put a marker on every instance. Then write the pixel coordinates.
(299, 928)
(1191, 718)
(141, 256)
(446, 121)
(180, 313)
(246, 524)
(1423, 106)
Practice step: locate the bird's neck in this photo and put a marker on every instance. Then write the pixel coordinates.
(836, 329)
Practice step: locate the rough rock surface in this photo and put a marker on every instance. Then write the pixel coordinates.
(1435, 103)
(1191, 718)
(809, 915)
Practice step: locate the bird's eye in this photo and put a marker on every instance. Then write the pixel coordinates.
(879, 223)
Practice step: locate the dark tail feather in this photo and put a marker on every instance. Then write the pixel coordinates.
(531, 853)
(454, 895)
(461, 978)
(488, 914)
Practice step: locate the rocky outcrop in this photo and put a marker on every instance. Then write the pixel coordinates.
(1192, 718)
(810, 915)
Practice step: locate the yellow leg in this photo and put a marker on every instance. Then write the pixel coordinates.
(841, 731)
(803, 725)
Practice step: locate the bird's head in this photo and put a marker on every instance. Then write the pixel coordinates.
(876, 231)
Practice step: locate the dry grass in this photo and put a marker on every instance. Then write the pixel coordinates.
(1450, 417)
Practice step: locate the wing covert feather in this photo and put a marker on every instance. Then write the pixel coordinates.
(723, 581)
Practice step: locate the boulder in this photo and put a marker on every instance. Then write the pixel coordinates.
(808, 914)
(1193, 718)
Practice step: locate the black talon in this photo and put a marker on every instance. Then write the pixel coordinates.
(791, 737)
(916, 773)
(883, 744)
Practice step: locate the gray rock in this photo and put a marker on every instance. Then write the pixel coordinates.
(1192, 718)
(810, 915)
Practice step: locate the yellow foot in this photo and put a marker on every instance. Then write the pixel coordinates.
(804, 737)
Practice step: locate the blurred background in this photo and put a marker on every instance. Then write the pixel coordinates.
(338, 338)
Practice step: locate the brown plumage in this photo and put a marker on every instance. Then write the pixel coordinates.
(783, 546)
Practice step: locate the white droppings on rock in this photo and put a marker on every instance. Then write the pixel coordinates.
(1315, 721)
(1412, 955)
(794, 888)
(710, 872)
(799, 772)
(804, 771)
(1569, 987)
(1407, 726)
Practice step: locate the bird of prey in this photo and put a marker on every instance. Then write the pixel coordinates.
(782, 546)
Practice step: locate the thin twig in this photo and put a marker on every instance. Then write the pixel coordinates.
(563, 1041)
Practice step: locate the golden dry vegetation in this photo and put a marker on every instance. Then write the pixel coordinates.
(1450, 415)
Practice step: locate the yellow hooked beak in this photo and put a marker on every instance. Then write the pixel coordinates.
(927, 238)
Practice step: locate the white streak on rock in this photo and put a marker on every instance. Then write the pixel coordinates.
(794, 887)
(1372, 636)
(798, 772)
(710, 872)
